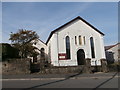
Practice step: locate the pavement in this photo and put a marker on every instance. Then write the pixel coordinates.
(58, 76)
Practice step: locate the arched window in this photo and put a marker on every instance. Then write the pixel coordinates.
(80, 40)
(76, 40)
(67, 39)
(84, 39)
(92, 47)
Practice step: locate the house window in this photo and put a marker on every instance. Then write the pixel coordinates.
(35, 43)
(80, 40)
(76, 40)
(84, 39)
(92, 47)
(67, 47)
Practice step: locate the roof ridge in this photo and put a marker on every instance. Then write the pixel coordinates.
(111, 46)
(78, 17)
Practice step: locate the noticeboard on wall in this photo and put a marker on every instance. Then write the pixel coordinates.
(62, 56)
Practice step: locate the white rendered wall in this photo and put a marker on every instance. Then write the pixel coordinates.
(39, 44)
(75, 29)
(115, 51)
(54, 50)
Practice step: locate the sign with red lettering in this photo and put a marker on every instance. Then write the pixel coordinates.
(62, 56)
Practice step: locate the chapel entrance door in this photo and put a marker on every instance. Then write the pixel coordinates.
(80, 57)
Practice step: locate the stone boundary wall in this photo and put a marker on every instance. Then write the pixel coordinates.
(17, 66)
(114, 68)
(67, 69)
(23, 66)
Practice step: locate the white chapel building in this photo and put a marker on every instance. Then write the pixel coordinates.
(72, 43)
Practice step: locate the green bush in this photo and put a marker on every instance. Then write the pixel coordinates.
(115, 67)
(8, 51)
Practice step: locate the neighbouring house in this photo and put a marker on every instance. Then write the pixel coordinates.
(73, 43)
(113, 53)
(41, 49)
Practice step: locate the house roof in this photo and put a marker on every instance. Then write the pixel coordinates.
(69, 23)
(108, 47)
(111, 46)
(42, 41)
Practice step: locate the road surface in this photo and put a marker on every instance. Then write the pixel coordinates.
(76, 81)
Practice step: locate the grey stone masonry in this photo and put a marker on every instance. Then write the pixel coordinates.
(17, 66)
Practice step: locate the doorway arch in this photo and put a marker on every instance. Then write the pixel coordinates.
(80, 57)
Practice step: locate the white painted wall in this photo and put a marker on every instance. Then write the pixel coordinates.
(75, 29)
(53, 50)
(115, 51)
(39, 44)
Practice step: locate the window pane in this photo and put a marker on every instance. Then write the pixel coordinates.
(67, 47)
(80, 40)
(92, 47)
(75, 40)
(84, 40)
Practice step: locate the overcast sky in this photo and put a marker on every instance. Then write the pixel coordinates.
(46, 17)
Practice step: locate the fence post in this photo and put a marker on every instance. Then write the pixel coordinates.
(88, 65)
(104, 65)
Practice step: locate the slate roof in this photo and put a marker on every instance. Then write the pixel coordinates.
(110, 46)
